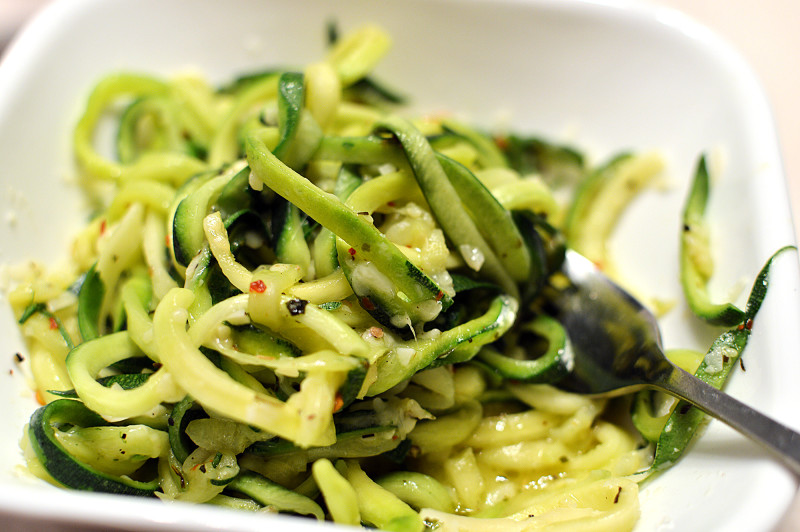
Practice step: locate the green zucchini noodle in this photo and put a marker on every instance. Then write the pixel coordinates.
(296, 298)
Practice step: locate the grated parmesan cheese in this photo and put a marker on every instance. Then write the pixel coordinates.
(715, 359)
(472, 256)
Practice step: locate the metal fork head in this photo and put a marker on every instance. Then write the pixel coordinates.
(615, 340)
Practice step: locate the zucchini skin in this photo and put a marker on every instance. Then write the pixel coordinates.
(90, 301)
(332, 213)
(549, 367)
(458, 344)
(182, 413)
(686, 420)
(62, 466)
(694, 248)
(456, 223)
(272, 494)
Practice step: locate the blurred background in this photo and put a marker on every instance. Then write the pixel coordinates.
(764, 32)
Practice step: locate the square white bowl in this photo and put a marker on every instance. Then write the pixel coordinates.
(603, 75)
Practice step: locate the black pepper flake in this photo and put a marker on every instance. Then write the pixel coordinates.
(19, 358)
(564, 459)
(616, 497)
(686, 227)
(171, 422)
(202, 468)
(741, 364)
(124, 435)
(296, 306)
(179, 474)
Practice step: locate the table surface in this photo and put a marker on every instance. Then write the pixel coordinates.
(765, 34)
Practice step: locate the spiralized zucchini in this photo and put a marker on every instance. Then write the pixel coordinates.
(299, 299)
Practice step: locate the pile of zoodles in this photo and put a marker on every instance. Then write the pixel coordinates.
(293, 298)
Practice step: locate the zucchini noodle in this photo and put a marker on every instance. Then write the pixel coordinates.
(299, 299)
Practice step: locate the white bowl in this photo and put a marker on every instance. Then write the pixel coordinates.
(606, 76)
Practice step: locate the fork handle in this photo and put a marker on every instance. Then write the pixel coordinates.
(782, 441)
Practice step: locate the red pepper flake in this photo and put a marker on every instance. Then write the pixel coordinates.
(53, 323)
(352, 252)
(40, 398)
(390, 204)
(258, 286)
(501, 142)
(338, 402)
(439, 295)
(366, 302)
(748, 324)
(102, 226)
(377, 332)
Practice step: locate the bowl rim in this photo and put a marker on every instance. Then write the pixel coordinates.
(32, 39)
